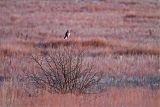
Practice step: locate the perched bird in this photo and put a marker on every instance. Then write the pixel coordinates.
(67, 34)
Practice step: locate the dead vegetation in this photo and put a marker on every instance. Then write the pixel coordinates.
(118, 46)
(64, 71)
(121, 37)
(12, 96)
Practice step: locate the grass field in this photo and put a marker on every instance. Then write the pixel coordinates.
(120, 37)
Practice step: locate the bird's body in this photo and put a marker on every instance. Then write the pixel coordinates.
(67, 34)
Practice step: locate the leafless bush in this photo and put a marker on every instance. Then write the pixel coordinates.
(64, 71)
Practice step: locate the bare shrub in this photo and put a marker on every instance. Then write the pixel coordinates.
(64, 71)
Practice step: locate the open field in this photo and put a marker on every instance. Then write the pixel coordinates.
(120, 37)
(113, 97)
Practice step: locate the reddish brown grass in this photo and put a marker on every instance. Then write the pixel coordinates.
(118, 46)
(128, 48)
(113, 97)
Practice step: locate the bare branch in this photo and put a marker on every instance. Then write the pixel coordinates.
(64, 71)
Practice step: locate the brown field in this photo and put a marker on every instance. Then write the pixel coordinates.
(121, 36)
(113, 97)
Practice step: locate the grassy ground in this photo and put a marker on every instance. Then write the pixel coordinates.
(122, 37)
(113, 97)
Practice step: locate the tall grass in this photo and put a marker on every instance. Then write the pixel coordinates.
(117, 46)
(113, 97)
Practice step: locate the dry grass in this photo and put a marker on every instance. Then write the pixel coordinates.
(120, 35)
(118, 46)
(12, 97)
